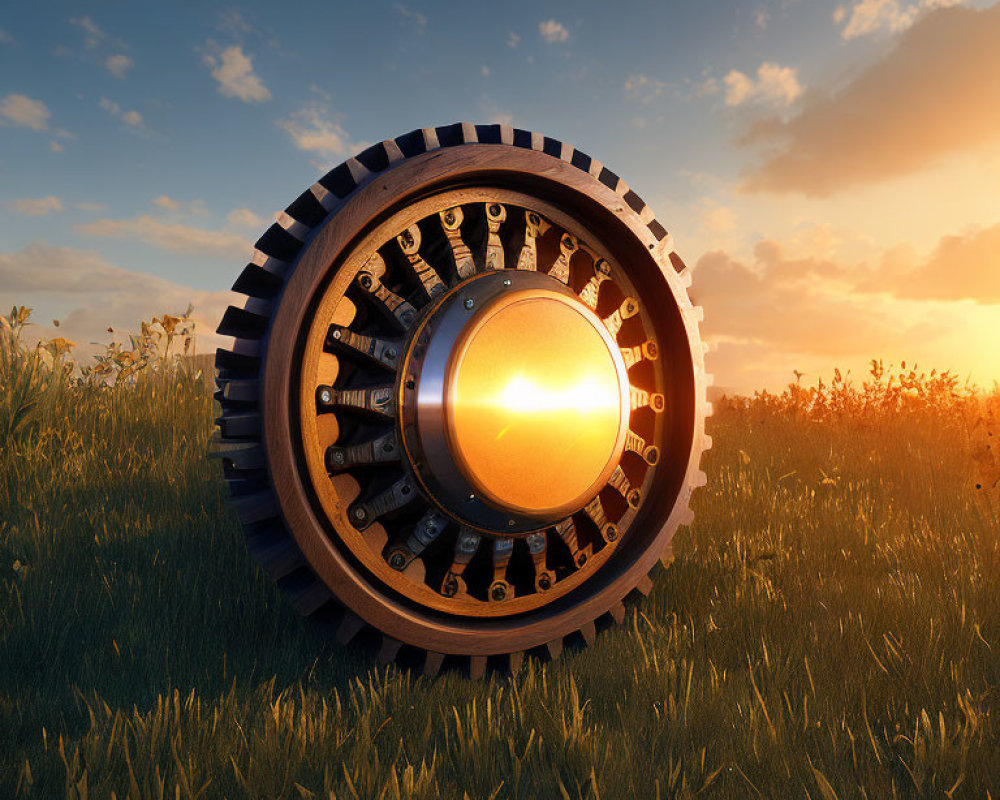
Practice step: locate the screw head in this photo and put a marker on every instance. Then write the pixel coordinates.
(494, 210)
(449, 217)
(359, 513)
(365, 280)
(388, 446)
(498, 592)
(390, 352)
(450, 587)
(611, 533)
(406, 239)
(325, 396)
(337, 334)
(410, 383)
(397, 560)
(533, 219)
(634, 498)
(511, 523)
(545, 583)
(506, 281)
(337, 456)
(406, 317)
(581, 559)
(469, 302)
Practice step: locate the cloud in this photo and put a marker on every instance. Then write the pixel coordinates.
(245, 218)
(164, 201)
(19, 109)
(36, 206)
(173, 237)
(773, 312)
(553, 31)
(871, 16)
(961, 268)
(93, 35)
(774, 85)
(418, 19)
(715, 218)
(55, 147)
(643, 88)
(936, 93)
(90, 294)
(118, 64)
(314, 130)
(233, 69)
(513, 40)
(131, 118)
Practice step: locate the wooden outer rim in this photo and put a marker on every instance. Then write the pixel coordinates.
(420, 175)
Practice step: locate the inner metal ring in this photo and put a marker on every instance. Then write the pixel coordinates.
(522, 402)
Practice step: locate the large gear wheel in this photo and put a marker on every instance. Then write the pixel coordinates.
(464, 409)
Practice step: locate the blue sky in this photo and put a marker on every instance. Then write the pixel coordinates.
(144, 146)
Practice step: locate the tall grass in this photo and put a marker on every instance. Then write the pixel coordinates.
(830, 627)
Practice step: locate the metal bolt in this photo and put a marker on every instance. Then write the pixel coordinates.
(611, 533)
(533, 219)
(653, 455)
(388, 447)
(406, 239)
(494, 210)
(390, 352)
(450, 217)
(544, 583)
(359, 513)
(652, 349)
(397, 560)
(404, 490)
(410, 383)
(326, 396)
(338, 456)
(634, 497)
(365, 280)
(406, 317)
(581, 559)
(498, 592)
(450, 587)
(469, 302)
(337, 334)
(506, 281)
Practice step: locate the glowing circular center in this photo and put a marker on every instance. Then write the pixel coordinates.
(536, 405)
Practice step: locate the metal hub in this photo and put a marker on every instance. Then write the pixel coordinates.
(519, 409)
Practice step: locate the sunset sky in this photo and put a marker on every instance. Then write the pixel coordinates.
(831, 172)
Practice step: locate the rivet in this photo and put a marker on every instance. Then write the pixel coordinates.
(325, 396)
(506, 281)
(469, 302)
(397, 561)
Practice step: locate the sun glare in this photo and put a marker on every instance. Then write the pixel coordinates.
(523, 395)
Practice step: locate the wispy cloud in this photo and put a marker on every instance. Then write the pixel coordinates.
(932, 95)
(19, 109)
(513, 40)
(773, 84)
(418, 20)
(118, 64)
(643, 88)
(872, 16)
(36, 206)
(233, 71)
(131, 118)
(553, 31)
(174, 237)
(315, 129)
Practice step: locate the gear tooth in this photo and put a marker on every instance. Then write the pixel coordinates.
(392, 151)
(667, 555)
(706, 442)
(257, 282)
(235, 362)
(537, 141)
(389, 650)
(514, 662)
(685, 277)
(240, 391)
(617, 612)
(685, 517)
(647, 215)
(698, 313)
(308, 597)
(350, 626)
(589, 632)
(622, 188)
(700, 479)
(268, 263)
(554, 647)
(506, 134)
(256, 507)
(477, 667)
(275, 552)
(358, 170)
(469, 134)
(430, 139)
(242, 324)
(242, 457)
(709, 379)
(240, 426)
(566, 152)
(644, 586)
(324, 196)
(704, 351)
(595, 167)
(432, 663)
(707, 409)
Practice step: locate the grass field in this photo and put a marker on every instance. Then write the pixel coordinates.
(830, 627)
